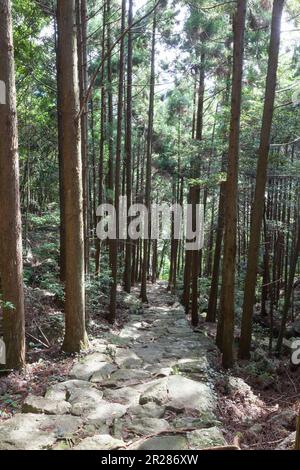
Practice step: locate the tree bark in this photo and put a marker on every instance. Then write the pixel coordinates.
(75, 334)
(102, 142)
(261, 180)
(128, 255)
(114, 243)
(81, 8)
(229, 258)
(11, 263)
(149, 161)
(289, 290)
(213, 295)
(62, 248)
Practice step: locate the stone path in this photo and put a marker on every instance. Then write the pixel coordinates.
(150, 387)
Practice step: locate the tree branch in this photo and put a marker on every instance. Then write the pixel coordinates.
(98, 70)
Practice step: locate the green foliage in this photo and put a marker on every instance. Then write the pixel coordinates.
(212, 181)
(6, 304)
(48, 219)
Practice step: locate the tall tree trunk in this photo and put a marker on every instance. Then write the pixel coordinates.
(199, 125)
(75, 334)
(172, 269)
(261, 180)
(102, 141)
(229, 258)
(213, 295)
(114, 243)
(265, 292)
(146, 246)
(11, 264)
(287, 301)
(128, 256)
(195, 197)
(93, 185)
(81, 8)
(110, 114)
(62, 248)
(196, 256)
(192, 256)
(194, 108)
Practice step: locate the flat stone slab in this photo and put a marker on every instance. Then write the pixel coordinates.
(180, 331)
(146, 426)
(151, 354)
(84, 400)
(87, 366)
(162, 443)
(149, 410)
(204, 438)
(105, 412)
(134, 426)
(100, 442)
(127, 377)
(112, 339)
(129, 396)
(63, 390)
(131, 331)
(104, 373)
(204, 421)
(34, 404)
(160, 370)
(179, 393)
(36, 431)
(127, 359)
(193, 366)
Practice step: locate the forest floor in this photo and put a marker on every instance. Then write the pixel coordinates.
(150, 383)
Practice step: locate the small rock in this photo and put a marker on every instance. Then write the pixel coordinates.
(34, 404)
(235, 386)
(105, 412)
(288, 443)
(100, 442)
(162, 443)
(129, 396)
(92, 363)
(179, 393)
(204, 421)
(84, 400)
(127, 376)
(63, 390)
(103, 374)
(287, 419)
(203, 438)
(196, 366)
(36, 431)
(140, 426)
(127, 359)
(149, 410)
